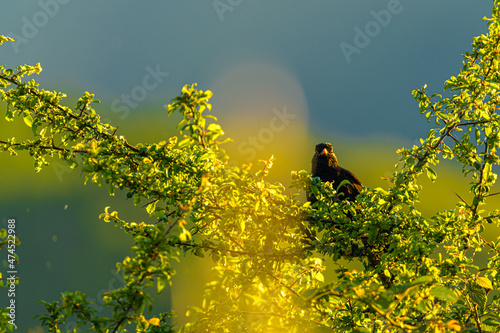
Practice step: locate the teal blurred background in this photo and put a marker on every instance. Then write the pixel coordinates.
(282, 82)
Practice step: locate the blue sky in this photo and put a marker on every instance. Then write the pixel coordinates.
(106, 47)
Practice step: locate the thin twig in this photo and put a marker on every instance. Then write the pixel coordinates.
(462, 199)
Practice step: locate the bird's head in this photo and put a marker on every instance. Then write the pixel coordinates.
(324, 151)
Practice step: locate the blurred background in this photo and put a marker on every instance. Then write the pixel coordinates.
(285, 75)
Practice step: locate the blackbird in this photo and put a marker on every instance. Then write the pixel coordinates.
(326, 167)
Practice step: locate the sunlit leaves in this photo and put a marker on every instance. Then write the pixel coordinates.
(418, 273)
(443, 293)
(4, 39)
(476, 294)
(431, 174)
(484, 282)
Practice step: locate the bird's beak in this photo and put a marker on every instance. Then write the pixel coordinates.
(324, 152)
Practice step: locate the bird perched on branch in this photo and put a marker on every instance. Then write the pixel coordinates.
(326, 167)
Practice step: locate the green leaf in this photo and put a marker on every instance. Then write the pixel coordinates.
(151, 207)
(9, 116)
(242, 224)
(137, 200)
(431, 174)
(140, 304)
(493, 85)
(4, 39)
(344, 182)
(184, 143)
(421, 280)
(384, 300)
(484, 282)
(477, 134)
(443, 293)
(491, 319)
(199, 252)
(487, 131)
(424, 306)
(477, 294)
(28, 120)
(160, 285)
(319, 277)
(487, 169)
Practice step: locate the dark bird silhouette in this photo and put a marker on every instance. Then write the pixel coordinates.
(326, 167)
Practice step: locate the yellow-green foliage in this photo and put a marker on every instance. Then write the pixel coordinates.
(418, 273)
